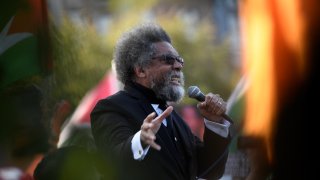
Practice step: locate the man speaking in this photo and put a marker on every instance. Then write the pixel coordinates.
(140, 132)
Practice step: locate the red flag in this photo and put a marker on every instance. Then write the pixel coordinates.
(106, 87)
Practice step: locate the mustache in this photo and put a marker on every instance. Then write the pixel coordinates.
(178, 75)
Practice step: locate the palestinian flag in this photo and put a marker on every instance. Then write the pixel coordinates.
(24, 46)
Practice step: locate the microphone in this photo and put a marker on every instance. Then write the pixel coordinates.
(195, 92)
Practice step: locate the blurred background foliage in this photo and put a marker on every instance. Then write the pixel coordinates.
(82, 55)
(80, 58)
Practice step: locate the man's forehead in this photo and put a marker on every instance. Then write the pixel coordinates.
(165, 48)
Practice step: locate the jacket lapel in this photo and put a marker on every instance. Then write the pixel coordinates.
(180, 128)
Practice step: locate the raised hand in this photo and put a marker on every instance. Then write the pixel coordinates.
(151, 126)
(213, 107)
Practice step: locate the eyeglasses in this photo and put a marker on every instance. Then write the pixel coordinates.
(170, 59)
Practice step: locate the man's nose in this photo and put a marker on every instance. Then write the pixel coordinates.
(177, 65)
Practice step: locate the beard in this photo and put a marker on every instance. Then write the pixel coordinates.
(165, 90)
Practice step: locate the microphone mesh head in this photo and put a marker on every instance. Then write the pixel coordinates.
(193, 91)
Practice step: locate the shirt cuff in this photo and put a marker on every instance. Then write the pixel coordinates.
(138, 152)
(220, 129)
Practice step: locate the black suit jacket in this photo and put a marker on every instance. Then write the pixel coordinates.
(116, 119)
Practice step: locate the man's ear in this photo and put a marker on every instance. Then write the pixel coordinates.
(140, 73)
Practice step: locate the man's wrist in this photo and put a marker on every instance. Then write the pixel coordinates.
(216, 119)
(139, 151)
(144, 145)
(220, 128)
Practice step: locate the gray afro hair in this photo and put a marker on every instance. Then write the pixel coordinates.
(135, 48)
